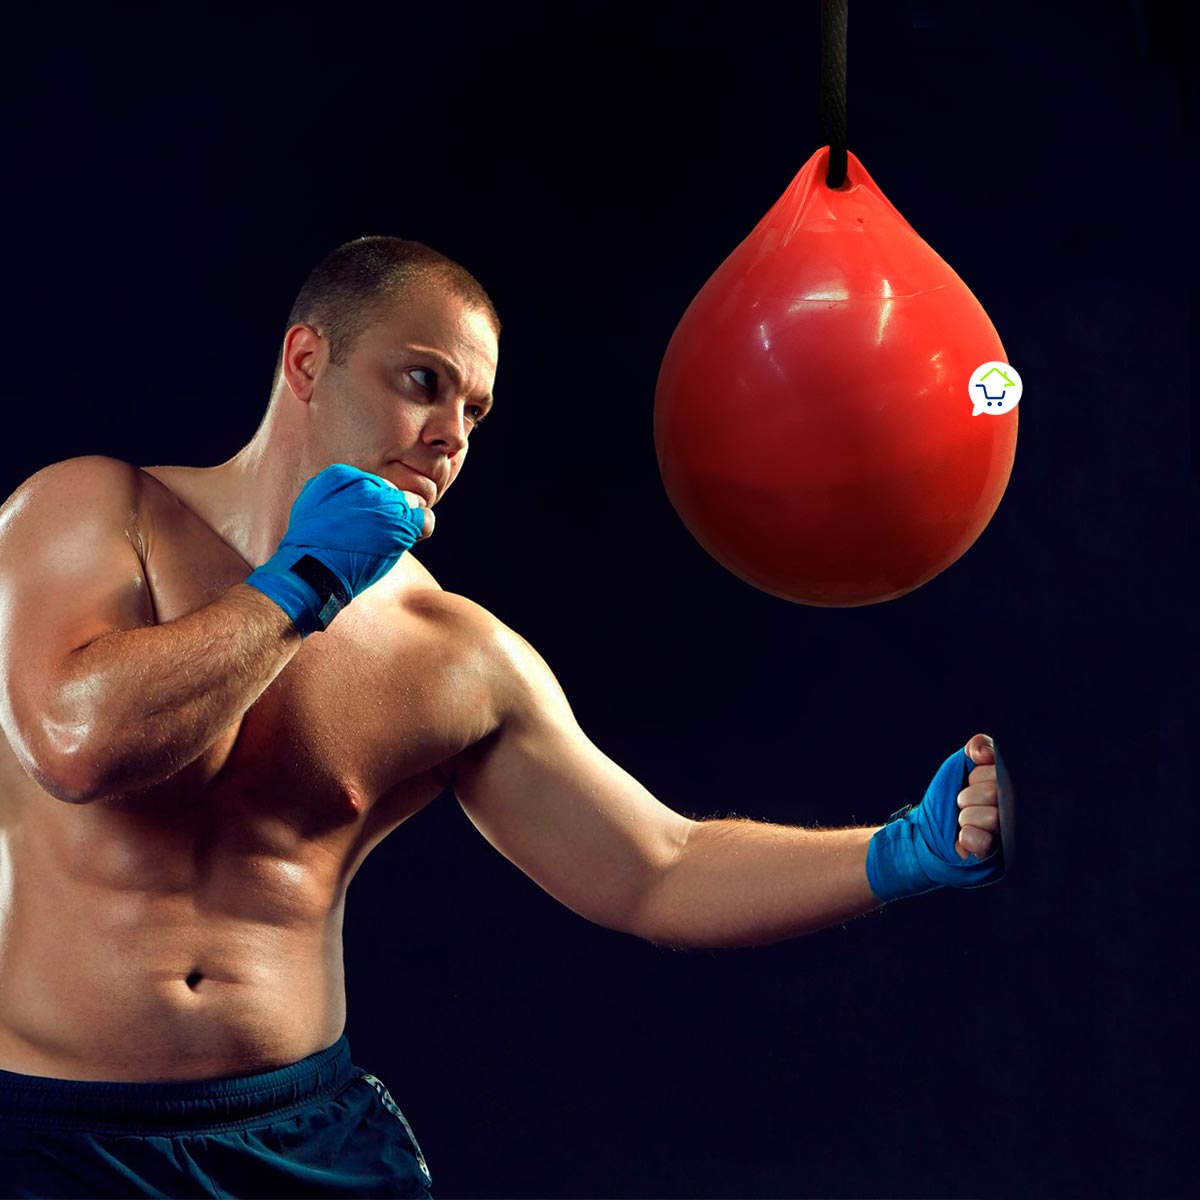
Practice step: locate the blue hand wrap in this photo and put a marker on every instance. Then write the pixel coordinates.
(914, 852)
(346, 530)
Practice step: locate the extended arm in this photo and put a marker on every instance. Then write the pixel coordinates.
(594, 838)
(744, 883)
(748, 883)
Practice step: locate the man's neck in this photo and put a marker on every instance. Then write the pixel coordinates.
(246, 500)
(255, 490)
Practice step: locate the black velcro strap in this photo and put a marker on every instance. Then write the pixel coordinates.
(332, 592)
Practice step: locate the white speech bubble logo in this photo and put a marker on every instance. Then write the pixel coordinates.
(995, 389)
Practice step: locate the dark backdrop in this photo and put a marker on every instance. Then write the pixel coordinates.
(171, 178)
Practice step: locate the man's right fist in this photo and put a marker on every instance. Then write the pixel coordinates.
(346, 530)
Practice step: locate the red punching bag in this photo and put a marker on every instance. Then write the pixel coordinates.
(812, 417)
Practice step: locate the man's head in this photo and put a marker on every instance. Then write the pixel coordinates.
(390, 353)
(347, 290)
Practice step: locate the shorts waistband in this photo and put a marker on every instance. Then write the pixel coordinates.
(175, 1105)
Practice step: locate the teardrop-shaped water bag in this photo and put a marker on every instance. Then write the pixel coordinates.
(812, 417)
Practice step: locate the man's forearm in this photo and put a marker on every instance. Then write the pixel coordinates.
(135, 706)
(747, 883)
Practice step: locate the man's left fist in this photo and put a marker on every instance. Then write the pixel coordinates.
(950, 839)
(978, 806)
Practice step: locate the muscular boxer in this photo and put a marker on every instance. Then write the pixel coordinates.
(223, 686)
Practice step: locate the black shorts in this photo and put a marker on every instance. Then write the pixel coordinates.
(321, 1127)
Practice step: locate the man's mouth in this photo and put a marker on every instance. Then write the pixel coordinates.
(426, 487)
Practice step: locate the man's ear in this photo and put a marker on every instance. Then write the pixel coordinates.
(304, 353)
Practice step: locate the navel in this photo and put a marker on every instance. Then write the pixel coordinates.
(193, 980)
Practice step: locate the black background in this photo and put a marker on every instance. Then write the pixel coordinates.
(172, 176)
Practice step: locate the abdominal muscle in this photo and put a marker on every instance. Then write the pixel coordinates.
(111, 983)
(145, 1021)
(193, 934)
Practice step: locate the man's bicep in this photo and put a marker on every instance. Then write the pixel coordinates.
(556, 806)
(69, 573)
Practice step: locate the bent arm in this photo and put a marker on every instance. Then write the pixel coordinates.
(131, 708)
(595, 839)
(96, 698)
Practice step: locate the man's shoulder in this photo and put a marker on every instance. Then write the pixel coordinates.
(73, 486)
(467, 632)
(418, 643)
(458, 619)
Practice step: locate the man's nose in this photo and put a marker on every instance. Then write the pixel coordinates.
(446, 429)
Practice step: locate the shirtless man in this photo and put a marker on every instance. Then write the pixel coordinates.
(220, 692)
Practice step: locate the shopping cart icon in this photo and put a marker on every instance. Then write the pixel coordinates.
(983, 386)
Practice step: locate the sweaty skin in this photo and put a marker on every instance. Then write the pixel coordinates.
(193, 929)
(187, 788)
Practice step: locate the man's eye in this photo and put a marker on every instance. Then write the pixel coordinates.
(432, 376)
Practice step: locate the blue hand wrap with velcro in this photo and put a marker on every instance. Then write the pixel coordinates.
(914, 852)
(346, 530)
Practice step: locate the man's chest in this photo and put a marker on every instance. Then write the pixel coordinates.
(357, 700)
(347, 741)
(356, 730)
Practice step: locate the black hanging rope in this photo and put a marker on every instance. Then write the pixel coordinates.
(833, 88)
